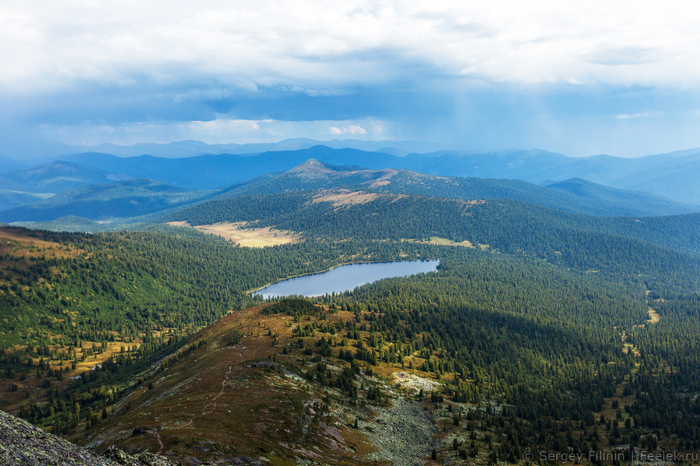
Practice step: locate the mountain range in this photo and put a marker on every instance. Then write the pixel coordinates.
(203, 166)
(133, 198)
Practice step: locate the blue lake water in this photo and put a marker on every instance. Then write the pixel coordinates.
(346, 278)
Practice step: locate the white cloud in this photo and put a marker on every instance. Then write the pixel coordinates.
(321, 46)
(352, 129)
(219, 131)
(356, 129)
(629, 116)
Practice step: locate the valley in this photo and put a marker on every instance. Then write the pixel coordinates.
(558, 319)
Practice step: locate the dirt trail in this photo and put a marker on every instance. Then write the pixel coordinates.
(156, 434)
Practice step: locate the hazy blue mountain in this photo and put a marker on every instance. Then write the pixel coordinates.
(106, 201)
(393, 151)
(56, 177)
(211, 171)
(142, 197)
(10, 199)
(535, 166)
(627, 202)
(192, 148)
(668, 175)
(677, 180)
(513, 163)
(218, 171)
(7, 164)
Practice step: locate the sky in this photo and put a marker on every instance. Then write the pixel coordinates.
(580, 78)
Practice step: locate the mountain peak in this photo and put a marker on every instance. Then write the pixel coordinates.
(316, 166)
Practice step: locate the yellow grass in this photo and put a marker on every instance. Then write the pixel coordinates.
(18, 243)
(345, 198)
(448, 242)
(654, 316)
(247, 237)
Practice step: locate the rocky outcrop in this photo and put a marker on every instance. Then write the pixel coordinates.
(23, 444)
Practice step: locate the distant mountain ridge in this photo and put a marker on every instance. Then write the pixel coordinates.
(29, 185)
(140, 197)
(669, 175)
(56, 177)
(192, 148)
(7, 164)
(219, 171)
(104, 201)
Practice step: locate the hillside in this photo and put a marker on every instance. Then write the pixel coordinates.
(160, 330)
(292, 380)
(594, 199)
(574, 240)
(310, 175)
(106, 201)
(24, 444)
(56, 177)
(363, 378)
(9, 199)
(139, 198)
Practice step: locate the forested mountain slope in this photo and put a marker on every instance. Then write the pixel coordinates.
(569, 196)
(137, 198)
(520, 352)
(509, 226)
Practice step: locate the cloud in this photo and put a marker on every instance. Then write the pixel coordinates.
(492, 74)
(356, 129)
(629, 116)
(321, 47)
(619, 56)
(218, 131)
(352, 129)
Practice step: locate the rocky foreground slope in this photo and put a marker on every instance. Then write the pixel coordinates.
(23, 444)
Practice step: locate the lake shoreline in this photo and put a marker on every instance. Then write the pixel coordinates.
(257, 291)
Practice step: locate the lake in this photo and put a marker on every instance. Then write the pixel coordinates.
(346, 278)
